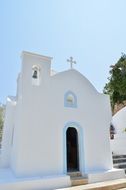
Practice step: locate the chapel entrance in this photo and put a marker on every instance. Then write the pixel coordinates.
(72, 150)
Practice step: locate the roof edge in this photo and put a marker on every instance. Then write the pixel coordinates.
(47, 58)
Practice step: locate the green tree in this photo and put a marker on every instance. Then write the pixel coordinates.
(116, 86)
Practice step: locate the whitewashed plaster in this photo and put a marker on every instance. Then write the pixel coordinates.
(118, 144)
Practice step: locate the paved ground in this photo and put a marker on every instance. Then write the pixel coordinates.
(107, 185)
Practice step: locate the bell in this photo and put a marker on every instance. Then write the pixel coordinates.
(35, 75)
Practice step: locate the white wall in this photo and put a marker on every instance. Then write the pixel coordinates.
(118, 144)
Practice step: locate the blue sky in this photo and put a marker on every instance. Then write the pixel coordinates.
(92, 31)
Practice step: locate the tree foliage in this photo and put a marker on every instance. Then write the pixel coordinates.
(116, 86)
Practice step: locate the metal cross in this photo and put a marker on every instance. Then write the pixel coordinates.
(71, 61)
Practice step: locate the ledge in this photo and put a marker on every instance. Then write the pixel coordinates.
(47, 58)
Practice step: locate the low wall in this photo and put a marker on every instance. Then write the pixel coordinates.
(49, 183)
(105, 176)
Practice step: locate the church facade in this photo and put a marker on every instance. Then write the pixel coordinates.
(57, 123)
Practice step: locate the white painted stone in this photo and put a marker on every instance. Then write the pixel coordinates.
(106, 175)
(118, 144)
(9, 182)
(34, 138)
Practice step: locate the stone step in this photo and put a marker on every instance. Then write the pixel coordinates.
(121, 168)
(120, 165)
(118, 156)
(75, 181)
(119, 160)
(117, 167)
(74, 174)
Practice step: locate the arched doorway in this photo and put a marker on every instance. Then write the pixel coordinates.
(72, 149)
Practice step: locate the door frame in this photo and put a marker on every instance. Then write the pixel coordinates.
(80, 145)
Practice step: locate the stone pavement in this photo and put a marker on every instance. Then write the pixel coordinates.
(107, 185)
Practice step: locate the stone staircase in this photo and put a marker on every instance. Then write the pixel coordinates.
(77, 179)
(119, 161)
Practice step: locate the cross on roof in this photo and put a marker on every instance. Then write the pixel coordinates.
(71, 61)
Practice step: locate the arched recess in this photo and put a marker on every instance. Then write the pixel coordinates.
(35, 75)
(70, 99)
(73, 127)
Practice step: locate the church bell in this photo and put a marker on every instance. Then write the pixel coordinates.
(35, 75)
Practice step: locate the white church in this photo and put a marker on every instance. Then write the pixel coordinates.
(56, 125)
